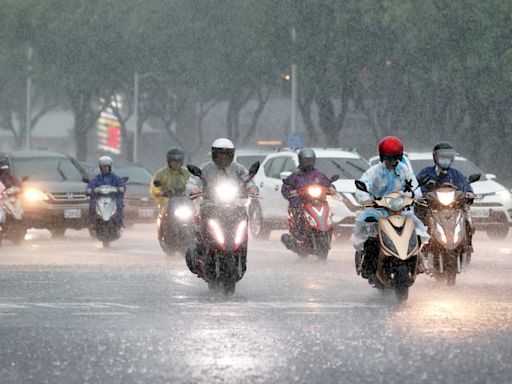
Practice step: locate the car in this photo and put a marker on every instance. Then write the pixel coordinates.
(54, 195)
(272, 211)
(492, 209)
(248, 157)
(139, 206)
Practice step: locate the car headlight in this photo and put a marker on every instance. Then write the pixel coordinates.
(226, 192)
(445, 198)
(33, 194)
(395, 204)
(504, 194)
(315, 191)
(183, 213)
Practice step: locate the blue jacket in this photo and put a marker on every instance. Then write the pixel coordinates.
(108, 179)
(452, 176)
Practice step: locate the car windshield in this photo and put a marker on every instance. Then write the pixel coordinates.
(248, 160)
(137, 175)
(47, 169)
(466, 167)
(346, 168)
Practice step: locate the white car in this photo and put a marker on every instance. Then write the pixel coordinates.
(248, 157)
(272, 212)
(492, 209)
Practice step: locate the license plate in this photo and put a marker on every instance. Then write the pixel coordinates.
(145, 212)
(72, 213)
(480, 213)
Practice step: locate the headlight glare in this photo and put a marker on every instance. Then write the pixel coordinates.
(33, 194)
(445, 198)
(315, 191)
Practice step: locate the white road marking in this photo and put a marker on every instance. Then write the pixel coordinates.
(100, 313)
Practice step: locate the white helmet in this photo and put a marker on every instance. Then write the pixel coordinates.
(105, 160)
(223, 152)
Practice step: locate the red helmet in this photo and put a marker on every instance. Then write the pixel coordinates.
(391, 148)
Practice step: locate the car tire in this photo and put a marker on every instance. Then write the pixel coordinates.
(257, 224)
(497, 231)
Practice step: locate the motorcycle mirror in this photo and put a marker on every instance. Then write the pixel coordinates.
(253, 170)
(157, 183)
(361, 186)
(196, 171)
(474, 177)
(125, 178)
(335, 177)
(284, 175)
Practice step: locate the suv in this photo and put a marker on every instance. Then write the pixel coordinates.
(492, 209)
(54, 191)
(272, 212)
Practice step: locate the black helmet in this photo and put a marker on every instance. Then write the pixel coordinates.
(226, 147)
(307, 159)
(4, 163)
(444, 155)
(175, 154)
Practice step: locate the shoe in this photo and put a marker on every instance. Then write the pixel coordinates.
(287, 241)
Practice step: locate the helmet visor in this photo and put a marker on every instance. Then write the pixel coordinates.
(223, 157)
(392, 158)
(307, 163)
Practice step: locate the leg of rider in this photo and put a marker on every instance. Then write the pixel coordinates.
(470, 227)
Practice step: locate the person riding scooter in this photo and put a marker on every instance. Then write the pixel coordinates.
(444, 155)
(106, 177)
(304, 175)
(390, 175)
(6, 177)
(219, 170)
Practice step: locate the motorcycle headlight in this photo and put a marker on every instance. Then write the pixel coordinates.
(183, 213)
(445, 198)
(226, 192)
(240, 232)
(413, 243)
(388, 243)
(33, 194)
(315, 191)
(395, 204)
(440, 230)
(216, 231)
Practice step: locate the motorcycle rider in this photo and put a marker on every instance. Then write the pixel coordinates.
(442, 172)
(6, 177)
(304, 175)
(390, 175)
(173, 177)
(220, 167)
(106, 177)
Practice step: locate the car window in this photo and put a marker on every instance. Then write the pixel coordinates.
(466, 167)
(47, 169)
(248, 160)
(276, 167)
(289, 165)
(346, 168)
(137, 175)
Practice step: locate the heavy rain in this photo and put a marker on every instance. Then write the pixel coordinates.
(142, 242)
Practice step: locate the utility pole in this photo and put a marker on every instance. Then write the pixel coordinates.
(28, 121)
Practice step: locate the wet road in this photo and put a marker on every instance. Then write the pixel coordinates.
(71, 312)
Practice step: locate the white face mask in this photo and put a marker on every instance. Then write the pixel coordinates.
(444, 163)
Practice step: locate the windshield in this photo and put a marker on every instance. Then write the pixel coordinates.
(248, 160)
(346, 168)
(137, 175)
(47, 169)
(466, 167)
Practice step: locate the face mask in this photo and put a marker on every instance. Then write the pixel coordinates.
(444, 163)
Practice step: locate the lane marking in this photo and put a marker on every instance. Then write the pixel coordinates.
(100, 313)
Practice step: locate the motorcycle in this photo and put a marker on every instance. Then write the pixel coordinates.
(220, 253)
(107, 227)
(315, 219)
(176, 224)
(397, 245)
(13, 228)
(447, 252)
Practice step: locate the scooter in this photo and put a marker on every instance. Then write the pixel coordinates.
(107, 226)
(14, 228)
(176, 224)
(315, 219)
(397, 245)
(220, 254)
(447, 252)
